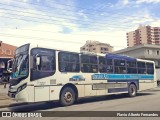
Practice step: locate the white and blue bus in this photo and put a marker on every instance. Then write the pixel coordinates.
(46, 74)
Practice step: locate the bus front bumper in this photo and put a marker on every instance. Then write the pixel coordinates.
(11, 94)
(18, 97)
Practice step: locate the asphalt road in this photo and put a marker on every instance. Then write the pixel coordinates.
(148, 100)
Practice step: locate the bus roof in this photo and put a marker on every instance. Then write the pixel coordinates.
(122, 57)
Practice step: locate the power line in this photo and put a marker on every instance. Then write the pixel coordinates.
(39, 18)
(70, 6)
(86, 23)
(33, 30)
(93, 27)
(36, 38)
(111, 16)
(41, 39)
(57, 7)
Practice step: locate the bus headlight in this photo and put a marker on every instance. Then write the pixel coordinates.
(21, 87)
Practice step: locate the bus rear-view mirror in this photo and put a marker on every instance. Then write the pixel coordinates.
(38, 60)
(9, 65)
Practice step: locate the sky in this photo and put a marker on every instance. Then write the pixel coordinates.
(68, 24)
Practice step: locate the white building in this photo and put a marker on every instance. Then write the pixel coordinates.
(144, 51)
(96, 47)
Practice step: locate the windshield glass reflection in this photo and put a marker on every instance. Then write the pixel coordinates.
(20, 68)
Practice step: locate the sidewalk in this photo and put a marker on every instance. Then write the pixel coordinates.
(5, 101)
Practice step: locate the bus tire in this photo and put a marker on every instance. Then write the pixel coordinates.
(67, 96)
(132, 90)
(158, 83)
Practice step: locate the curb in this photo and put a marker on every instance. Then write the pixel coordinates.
(14, 104)
(6, 102)
(4, 106)
(4, 99)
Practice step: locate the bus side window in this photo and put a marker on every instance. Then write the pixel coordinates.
(85, 68)
(94, 68)
(63, 67)
(109, 65)
(102, 65)
(109, 69)
(68, 62)
(47, 63)
(150, 68)
(89, 64)
(131, 67)
(141, 67)
(120, 66)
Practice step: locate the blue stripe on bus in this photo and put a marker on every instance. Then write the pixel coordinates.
(122, 77)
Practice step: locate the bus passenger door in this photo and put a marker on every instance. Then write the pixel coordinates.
(42, 70)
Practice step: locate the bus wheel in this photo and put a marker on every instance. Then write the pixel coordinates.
(158, 83)
(67, 96)
(132, 90)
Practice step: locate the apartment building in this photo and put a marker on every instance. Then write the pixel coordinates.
(144, 35)
(96, 47)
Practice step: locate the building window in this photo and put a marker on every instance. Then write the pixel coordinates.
(94, 48)
(149, 52)
(157, 52)
(106, 49)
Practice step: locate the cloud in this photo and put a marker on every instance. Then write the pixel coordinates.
(147, 1)
(62, 26)
(59, 40)
(142, 16)
(155, 23)
(83, 15)
(122, 3)
(125, 2)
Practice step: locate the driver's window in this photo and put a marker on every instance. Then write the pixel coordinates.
(46, 65)
(24, 67)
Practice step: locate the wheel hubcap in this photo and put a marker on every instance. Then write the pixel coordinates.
(132, 91)
(68, 96)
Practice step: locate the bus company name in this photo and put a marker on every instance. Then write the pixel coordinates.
(77, 78)
(8, 52)
(99, 76)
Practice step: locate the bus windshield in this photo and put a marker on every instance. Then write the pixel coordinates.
(20, 67)
(21, 63)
